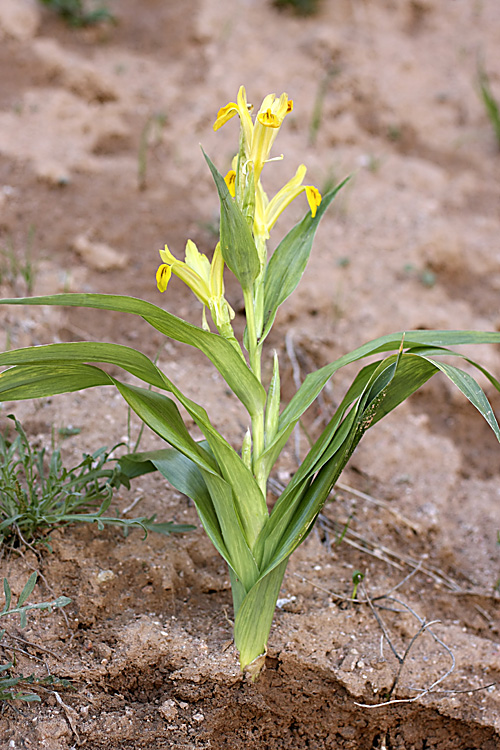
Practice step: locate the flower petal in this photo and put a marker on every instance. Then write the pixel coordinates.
(313, 198)
(163, 275)
(167, 256)
(197, 262)
(224, 114)
(230, 180)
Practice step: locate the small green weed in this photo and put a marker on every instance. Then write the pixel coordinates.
(38, 494)
(319, 101)
(14, 268)
(12, 686)
(489, 101)
(74, 12)
(150, 137)
(300, 7)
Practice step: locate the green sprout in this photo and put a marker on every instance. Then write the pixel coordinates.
(357, 577)
(489, 101)
(228, 483)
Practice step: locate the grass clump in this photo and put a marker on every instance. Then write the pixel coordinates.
(39, 494)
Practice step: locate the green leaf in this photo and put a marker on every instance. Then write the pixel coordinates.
(39, 381)
(289, 261)
(8, 596)
(132, 361)
(186, 477)
(240, 557)
(168, 527)
(471, 390)
(27, 590)
(218, 350)
(391, 383)
(315, 382)
(236, 240)
(255, 615)
(159, 412)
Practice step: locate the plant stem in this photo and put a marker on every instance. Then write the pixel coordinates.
(254, 353)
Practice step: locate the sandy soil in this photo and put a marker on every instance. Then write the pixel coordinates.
(100, 166)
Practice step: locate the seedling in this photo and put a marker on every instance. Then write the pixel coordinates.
(489, 101)
(357, 577)
(229, 484)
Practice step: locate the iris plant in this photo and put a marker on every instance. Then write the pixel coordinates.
(228, 483)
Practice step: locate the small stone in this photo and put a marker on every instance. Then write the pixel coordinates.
(104, 576)
(168, 710)
(97, 255)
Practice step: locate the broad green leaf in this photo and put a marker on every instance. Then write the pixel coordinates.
(60, 358)
(134, 362)
(218, 350)
(289, 261)
(390, 382)
(240, 557)
(412, 372)
(161, 414)
(255, 615)
(39, 381)
(272, 453)
(294, 511)
(236, 240)
(315, 382)
(187, 478)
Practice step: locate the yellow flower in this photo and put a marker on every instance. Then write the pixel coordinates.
(267, 211)
(205, 279)
(267, 124)
(258, 138)
(241, 108)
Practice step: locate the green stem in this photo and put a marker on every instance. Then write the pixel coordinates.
(254, 353)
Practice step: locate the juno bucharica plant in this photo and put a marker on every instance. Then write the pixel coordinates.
(228, 483)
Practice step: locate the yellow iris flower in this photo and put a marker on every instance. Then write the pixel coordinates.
(257, 138)
(205, 279)
(256, 141)
(267, 211)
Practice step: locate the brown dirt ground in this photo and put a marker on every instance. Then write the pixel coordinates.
(412, 242)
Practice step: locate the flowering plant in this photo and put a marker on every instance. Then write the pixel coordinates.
(229, 486)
